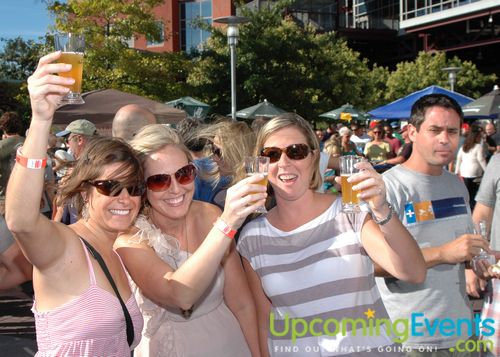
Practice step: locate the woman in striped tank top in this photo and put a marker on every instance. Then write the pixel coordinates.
(311, 266)
(77, 312)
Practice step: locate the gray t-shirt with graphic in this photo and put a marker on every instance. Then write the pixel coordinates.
(435, 209)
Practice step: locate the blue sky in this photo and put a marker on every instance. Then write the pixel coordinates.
(26, 18)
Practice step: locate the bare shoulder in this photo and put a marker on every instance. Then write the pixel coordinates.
(67, 253)
(129, 239)
(325, 200)
(202, 217)
(205, 211)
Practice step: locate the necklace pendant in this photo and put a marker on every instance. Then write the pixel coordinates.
(187, 313)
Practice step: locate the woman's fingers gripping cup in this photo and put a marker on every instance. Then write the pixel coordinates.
(243, 198)
(46, 88)
(258, 165)
(350, 199)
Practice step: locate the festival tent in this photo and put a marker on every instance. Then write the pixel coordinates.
(192, 106)
(346, 112)
(485, 107)
(263, 109)
(400, 109)
(101, 106)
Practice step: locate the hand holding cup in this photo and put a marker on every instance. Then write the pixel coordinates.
(371, 186)
(47, 89)
(242, 199)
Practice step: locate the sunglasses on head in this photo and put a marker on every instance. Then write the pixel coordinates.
(113, 188)
(294, 152)
(161, 182)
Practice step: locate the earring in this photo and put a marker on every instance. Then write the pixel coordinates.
(85, 212)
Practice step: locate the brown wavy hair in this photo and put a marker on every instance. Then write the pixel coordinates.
(97, 154)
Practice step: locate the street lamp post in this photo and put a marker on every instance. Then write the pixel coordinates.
(232, 40)
(452, 75)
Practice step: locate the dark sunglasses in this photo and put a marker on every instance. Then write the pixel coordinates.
(69, 138)
(294, 152)
(113, 188)
(215, 150)
(161, 182)
(377, 132)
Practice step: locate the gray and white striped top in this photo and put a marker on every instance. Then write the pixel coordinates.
(317, 273)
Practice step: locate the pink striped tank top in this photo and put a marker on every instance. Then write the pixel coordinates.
(93, 324)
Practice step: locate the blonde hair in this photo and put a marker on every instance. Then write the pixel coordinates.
(236, 140)
(293, 120)
(333, 147)
(154, 137)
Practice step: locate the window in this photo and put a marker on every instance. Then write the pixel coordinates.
(151, 42)
(192, 37)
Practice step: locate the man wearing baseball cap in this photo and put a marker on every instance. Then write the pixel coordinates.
(77, 135)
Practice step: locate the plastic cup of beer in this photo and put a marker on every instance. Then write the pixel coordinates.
(258, 165)
(350, 199)
(72, 46)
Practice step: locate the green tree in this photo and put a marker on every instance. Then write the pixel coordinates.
(18, 59)
(427, 70)
(109, 62)
(294, 67)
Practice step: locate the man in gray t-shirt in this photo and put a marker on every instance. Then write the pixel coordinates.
(433, 205)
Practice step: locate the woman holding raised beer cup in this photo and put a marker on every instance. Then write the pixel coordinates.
(308, 258)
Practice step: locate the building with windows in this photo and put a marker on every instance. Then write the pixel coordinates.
(384, 31)
(178, 18)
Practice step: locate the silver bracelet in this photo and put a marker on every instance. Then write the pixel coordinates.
(385, 220)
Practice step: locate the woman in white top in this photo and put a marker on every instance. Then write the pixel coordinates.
(192, 289)
(471, 161)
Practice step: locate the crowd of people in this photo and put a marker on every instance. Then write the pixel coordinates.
(152, 243)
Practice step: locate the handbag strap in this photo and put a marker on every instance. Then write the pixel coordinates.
(128, 319)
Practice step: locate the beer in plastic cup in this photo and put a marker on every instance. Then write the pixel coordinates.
(350, 199)
(258, 165)
(72, 47)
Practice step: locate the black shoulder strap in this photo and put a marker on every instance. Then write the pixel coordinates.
(128, 319)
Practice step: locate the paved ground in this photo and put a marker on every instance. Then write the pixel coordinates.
(17, 325)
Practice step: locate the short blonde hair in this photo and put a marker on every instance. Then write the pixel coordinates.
(333, 147)
(293, 120)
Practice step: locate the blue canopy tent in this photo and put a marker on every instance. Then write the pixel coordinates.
(400, 109)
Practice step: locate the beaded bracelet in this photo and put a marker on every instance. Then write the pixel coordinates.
(385, 220)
